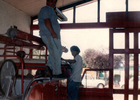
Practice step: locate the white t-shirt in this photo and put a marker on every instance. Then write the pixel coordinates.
(76, 69)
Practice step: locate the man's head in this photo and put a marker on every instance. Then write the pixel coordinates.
(75, 50)
(52, 3)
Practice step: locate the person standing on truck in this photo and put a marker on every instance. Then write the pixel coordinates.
(50, 34)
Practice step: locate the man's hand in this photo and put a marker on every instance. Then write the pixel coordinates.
(64, 49)
(54, 35)
(49, 26)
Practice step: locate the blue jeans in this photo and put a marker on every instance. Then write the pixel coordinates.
(73, 90)
(55, 51)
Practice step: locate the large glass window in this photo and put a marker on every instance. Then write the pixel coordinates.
(88, 40)
(94, 47)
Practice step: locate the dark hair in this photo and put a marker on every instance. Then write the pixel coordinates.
(75, 48)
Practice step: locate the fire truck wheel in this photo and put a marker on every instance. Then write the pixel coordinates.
(7, 76)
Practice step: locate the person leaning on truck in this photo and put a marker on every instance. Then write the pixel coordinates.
(50, 34)
(75, 78)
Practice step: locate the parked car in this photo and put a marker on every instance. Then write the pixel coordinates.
(131, 83)
(89, 81)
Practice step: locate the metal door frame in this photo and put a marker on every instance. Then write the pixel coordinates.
(136, 51)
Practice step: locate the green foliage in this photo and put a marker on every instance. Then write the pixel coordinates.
(89, 56)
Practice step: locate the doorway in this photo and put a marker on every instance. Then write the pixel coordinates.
(128, 69)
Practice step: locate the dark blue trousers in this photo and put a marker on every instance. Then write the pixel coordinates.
(73, 90)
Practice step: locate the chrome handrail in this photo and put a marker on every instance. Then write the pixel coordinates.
(35, 79)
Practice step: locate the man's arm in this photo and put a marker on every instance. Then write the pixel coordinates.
(50, 28)
(69, 60)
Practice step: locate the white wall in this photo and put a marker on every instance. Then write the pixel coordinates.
(10, 16)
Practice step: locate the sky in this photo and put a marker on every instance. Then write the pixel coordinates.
(85, 39)
(97, 39)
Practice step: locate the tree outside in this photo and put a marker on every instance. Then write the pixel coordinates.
(97, 60)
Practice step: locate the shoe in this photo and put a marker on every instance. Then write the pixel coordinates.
(60, 76)
(48, 72)
(40, 73)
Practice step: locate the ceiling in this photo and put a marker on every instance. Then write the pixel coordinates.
(32, 7)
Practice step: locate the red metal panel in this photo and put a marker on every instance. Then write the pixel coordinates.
(128, 51)
(126, 64)
(100, 25)
(20, 43)
(136, 68)
(111, 58)
(53, 90)
(29, 37)
(95, 94)
(95, 25)
(37, 93)
(123, 16)
(32, 66)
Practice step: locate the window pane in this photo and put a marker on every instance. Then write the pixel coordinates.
(130, 97)
(35, 22)
(36, 33)
(39, 54)
(111, 6)
(119, 71)
(118, 96)
(131, 71)
(86, 13)
(69, 14)
(119, 40)
(138, 97)
(133, 5)
(131, 40)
